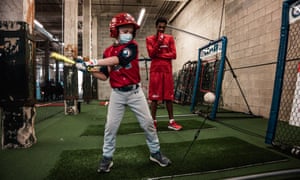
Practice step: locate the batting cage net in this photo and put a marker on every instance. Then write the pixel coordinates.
(184, 83)
(208, 76)
(284, 123)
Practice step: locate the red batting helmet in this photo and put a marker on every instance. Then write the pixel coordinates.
(119, 20)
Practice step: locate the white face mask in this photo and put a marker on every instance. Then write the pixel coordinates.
(125, 38)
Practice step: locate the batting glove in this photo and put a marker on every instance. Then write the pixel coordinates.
(80, 64)
(91, 62)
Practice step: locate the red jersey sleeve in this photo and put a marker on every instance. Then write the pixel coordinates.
(152, 46)
(167, 49)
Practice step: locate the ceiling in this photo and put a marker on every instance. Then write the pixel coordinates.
(50, 12)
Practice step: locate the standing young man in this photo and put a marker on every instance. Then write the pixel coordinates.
(161, 49)
(121, 65)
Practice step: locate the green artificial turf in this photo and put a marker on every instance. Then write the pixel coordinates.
(133, 162)
(129, 128)
(44, 113)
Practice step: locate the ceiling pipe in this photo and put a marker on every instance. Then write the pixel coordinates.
(40, 28)
(179, 10)
(187, 32)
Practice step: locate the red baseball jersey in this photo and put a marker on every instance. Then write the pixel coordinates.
(161, 86)
(161, 54)
(127, 71)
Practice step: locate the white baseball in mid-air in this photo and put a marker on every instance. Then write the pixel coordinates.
(209, 97)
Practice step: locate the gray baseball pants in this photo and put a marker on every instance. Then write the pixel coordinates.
(136, 100)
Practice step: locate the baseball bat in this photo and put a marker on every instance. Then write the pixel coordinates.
(60, 57)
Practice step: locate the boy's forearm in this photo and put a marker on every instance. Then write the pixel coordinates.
(109, 61)
(99, 75)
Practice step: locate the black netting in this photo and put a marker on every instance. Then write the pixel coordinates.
(184, 83)
(288, 125)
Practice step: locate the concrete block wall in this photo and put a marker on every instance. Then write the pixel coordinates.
(201, 17)
(252, 28)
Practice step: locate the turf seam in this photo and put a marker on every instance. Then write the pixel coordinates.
(218, 170)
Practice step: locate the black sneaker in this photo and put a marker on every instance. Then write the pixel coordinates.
(105, 165)
(160, 159)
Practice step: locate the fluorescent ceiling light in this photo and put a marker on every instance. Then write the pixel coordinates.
(37, 23)
(141, 16)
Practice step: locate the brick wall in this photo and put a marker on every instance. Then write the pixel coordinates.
(252, 28)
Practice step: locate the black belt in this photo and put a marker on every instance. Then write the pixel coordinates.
(128, 88)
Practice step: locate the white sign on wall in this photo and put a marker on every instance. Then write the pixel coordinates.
(294, 14)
